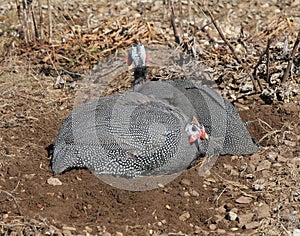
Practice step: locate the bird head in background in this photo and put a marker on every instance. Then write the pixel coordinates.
(195, 131)
(137, 55)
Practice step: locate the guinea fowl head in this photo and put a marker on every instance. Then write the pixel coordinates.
(139, 57)
(196, 131)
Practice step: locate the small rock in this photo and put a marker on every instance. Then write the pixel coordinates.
(168, 207)
(221, 231)
(186, 194)
(194, 193)
(184, 216)
(231, 216)
(68, 228)
(29, 176)
(67, 233)
(244, 200)
(252, 225)
(258, 184)
(272, 156)
(263, 211)
(296, 232)
(119, 234)
(54, 181)
(245, 218)
(264, 165)
(88, 229)
(4, 216)
(290, 143)
(185, 182)
(212, 226)
(106, 234)
(246, 88)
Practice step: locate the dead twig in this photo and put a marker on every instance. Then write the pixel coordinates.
(288, 68)
(49, 22)
(267, 53)
(14, 199)
(233, 52)
(176, 35)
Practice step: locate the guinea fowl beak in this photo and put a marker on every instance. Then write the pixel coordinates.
(205, 136)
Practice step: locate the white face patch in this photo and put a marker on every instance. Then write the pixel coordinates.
(138, 55)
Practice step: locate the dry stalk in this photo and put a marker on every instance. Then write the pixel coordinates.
(14, 199)
(270, 131)
(49, 22)
(267, 53)
(233, 52)
(289, 66)
(176, 35)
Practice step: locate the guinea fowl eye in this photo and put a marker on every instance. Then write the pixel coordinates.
(194, 128)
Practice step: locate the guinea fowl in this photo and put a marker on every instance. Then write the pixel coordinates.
(129, 134)
(151, 131)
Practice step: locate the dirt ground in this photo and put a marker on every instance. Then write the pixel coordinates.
(255, 194)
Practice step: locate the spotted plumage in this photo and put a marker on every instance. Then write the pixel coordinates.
(127, 135)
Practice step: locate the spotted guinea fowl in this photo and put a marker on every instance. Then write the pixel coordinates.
(127, 135)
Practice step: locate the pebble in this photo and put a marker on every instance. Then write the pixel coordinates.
(88, 229)
(54, 181)
(212, 226)
(119, 234)
(244, 200)
(252, 225)
(231, 216)
(246, 88)
(67, 233)
(184, 216)
(264, 165)
(245, 218)
(68, 228)
(106, 234)
(221, 231)
(296, 232)
(263, 211)
(194, 193)
(185, 182)
(258, 184)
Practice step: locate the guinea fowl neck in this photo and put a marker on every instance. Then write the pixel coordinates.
(140, 75)
(138, 56)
